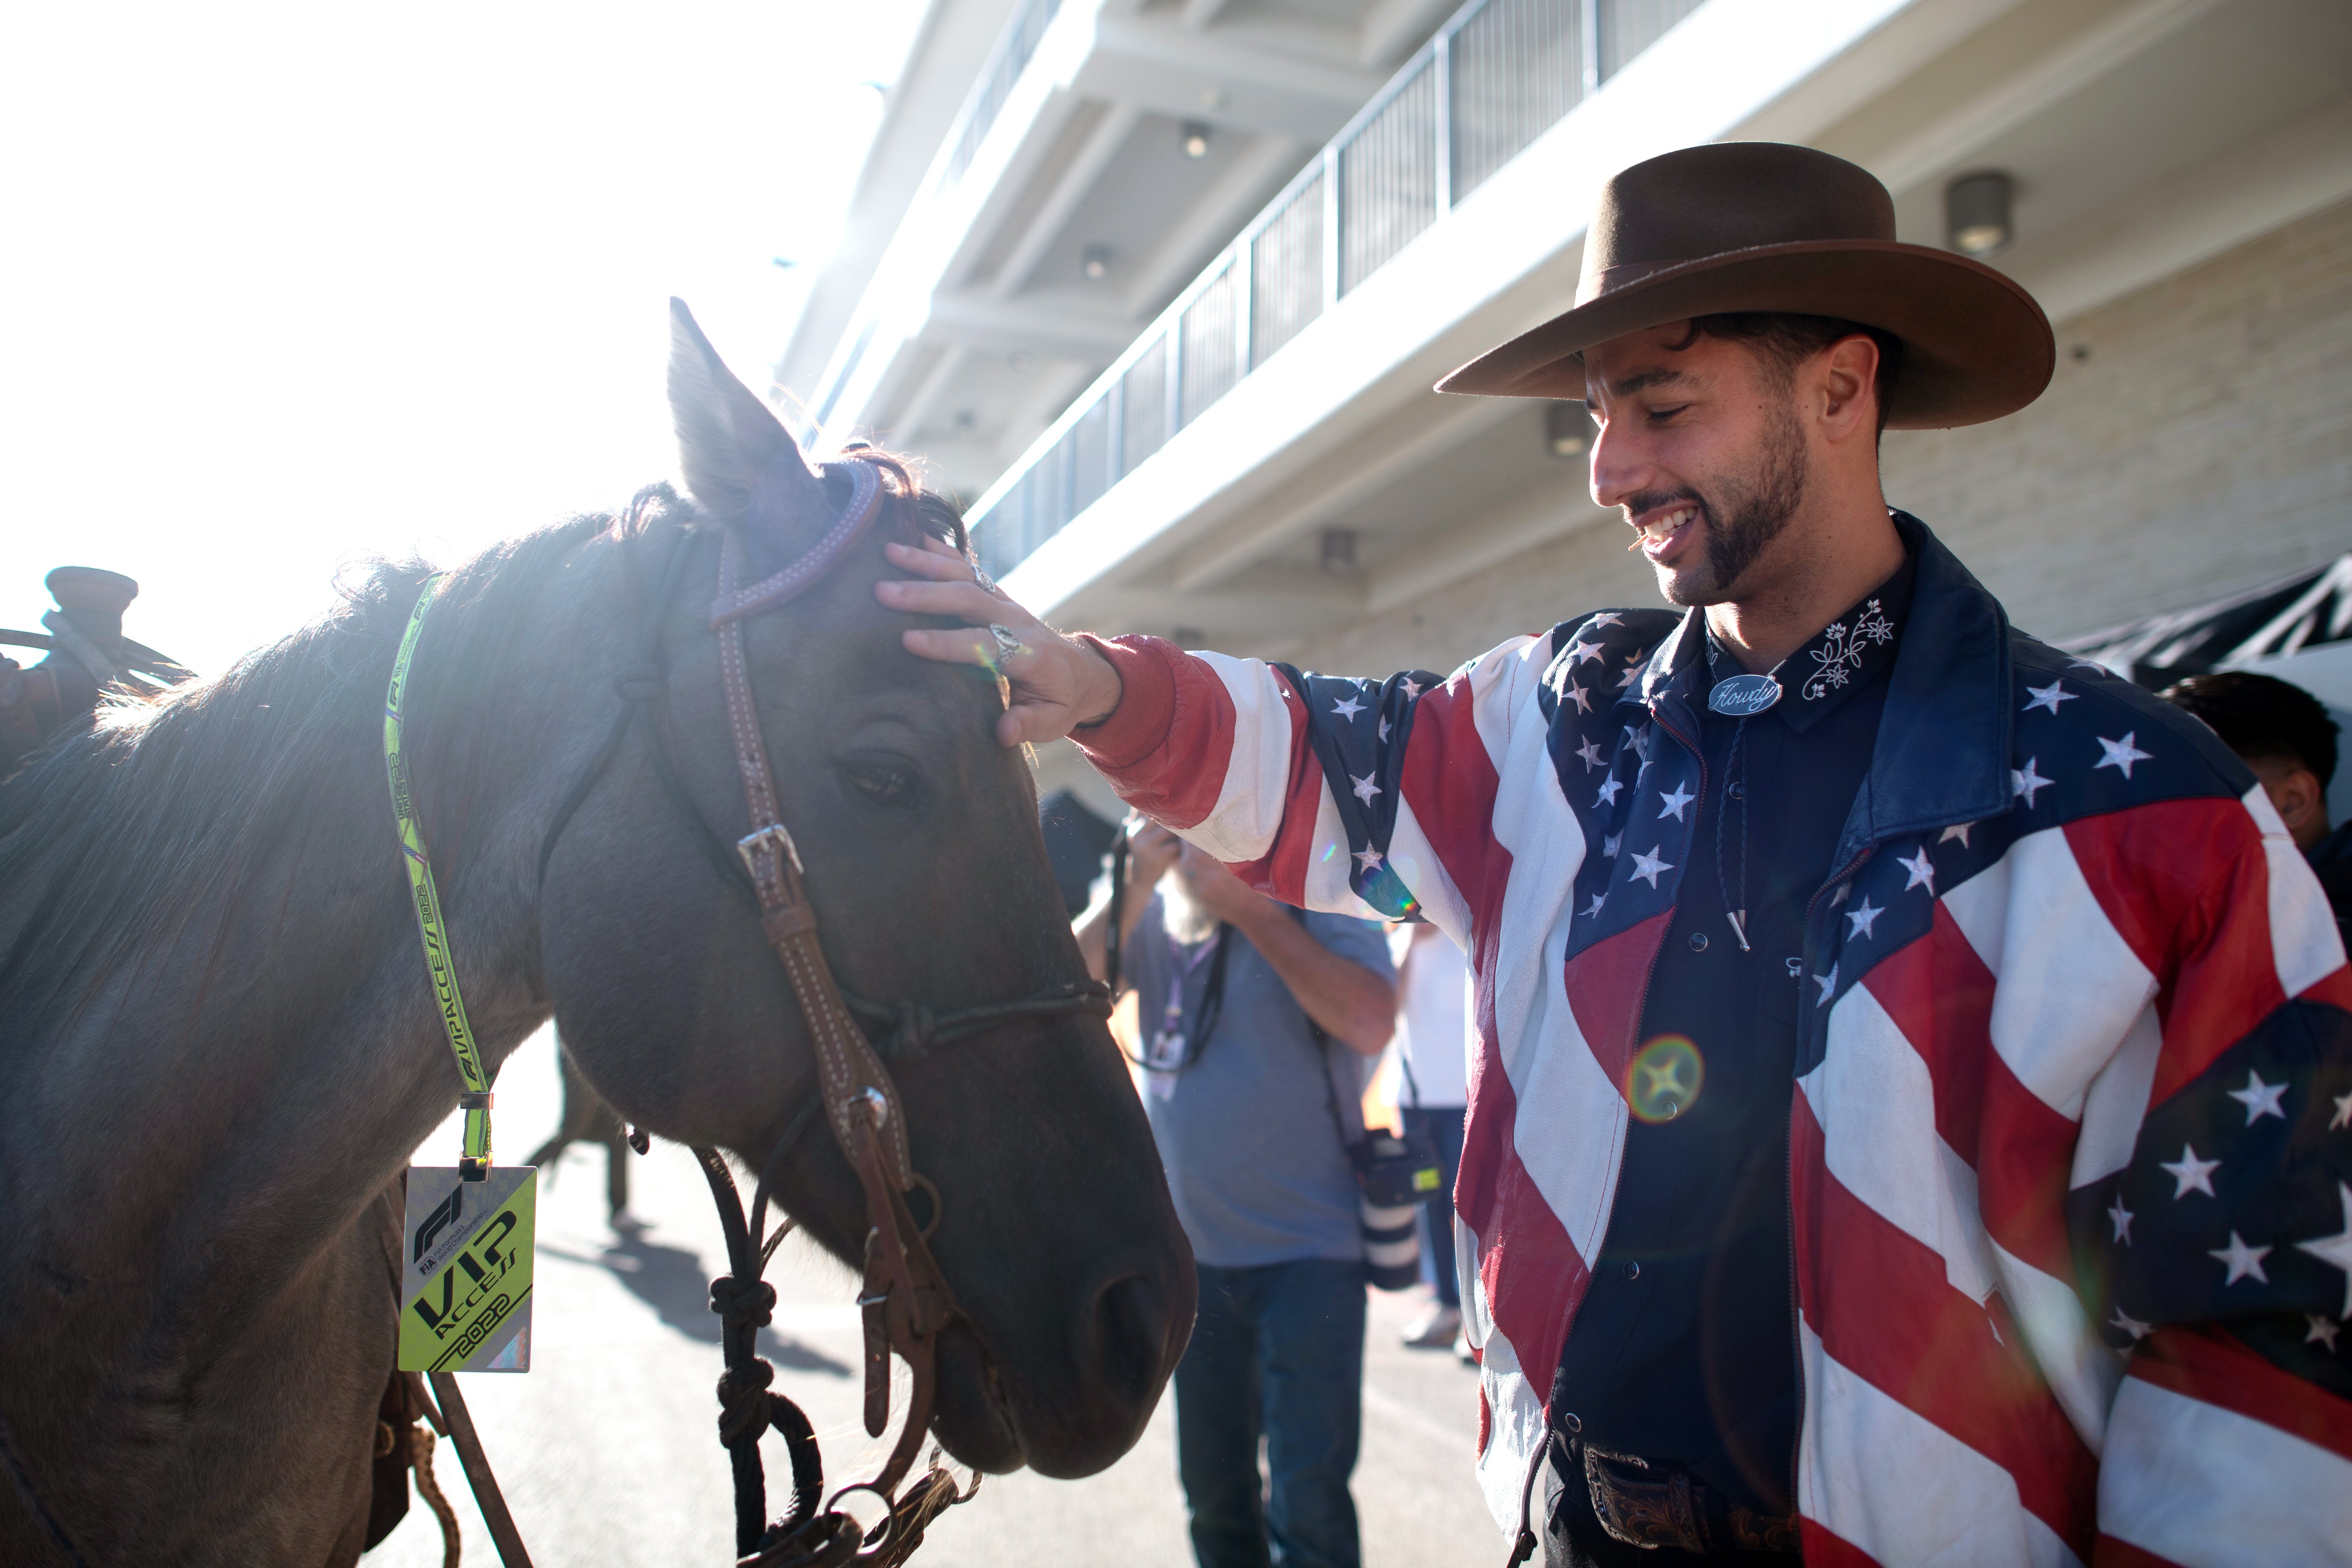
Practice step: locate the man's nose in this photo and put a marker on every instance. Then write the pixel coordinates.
(1619, 467)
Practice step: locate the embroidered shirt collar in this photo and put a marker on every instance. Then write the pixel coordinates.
(1842, 657)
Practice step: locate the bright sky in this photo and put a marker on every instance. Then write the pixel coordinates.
(288, 286)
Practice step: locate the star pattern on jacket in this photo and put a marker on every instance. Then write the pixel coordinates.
(2260, 1099)
(2049, 696)
(2262, 1243)
(2191, 1174)
(2121, 754)
(2337, 1251)
(2244, 1262)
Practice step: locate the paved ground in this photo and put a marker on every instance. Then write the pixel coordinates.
(607, 1451)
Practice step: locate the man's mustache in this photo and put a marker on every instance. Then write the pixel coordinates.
(1636, 504)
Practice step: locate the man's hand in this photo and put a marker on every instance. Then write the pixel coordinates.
(1217, 890)
(1150, 850)
(1058, 684)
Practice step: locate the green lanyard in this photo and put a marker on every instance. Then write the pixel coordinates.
(474, 1161)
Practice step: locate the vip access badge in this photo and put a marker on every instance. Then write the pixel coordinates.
(464, 1284)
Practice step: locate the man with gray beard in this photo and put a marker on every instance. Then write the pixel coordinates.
(1256, 1023)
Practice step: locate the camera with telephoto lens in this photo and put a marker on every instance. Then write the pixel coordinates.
(1394, 1176)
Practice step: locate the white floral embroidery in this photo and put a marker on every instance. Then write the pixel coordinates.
(1839, 657)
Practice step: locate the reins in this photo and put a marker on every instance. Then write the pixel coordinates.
(905, 1300)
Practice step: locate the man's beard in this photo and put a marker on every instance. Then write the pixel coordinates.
(1752, 514)
(1183, 918)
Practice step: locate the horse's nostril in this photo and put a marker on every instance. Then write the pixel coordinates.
(1130, 1335)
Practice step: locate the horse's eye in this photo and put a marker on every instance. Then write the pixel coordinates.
(882, 784)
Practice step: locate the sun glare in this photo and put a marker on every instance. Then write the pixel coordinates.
(289, 287)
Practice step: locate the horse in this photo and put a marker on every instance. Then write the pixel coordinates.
(218, 1048)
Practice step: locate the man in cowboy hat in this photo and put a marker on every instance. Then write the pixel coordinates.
(1913, 1120)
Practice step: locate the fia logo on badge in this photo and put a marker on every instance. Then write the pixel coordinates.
(466, 1270)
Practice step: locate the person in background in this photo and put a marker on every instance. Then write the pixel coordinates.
(1432, 1056)
(1254, 1019)
(2284, 734)
(1076, 841)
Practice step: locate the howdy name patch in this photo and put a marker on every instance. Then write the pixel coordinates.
(466, 1270)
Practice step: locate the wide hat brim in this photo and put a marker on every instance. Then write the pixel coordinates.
(1976, 346)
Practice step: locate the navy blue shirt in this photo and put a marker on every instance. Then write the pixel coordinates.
(1684, 1349)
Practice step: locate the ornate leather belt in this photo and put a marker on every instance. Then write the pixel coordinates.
(1651, 1505)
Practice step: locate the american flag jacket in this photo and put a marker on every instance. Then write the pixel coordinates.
(2071, 1136)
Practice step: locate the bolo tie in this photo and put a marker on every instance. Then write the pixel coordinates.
(1739, 698)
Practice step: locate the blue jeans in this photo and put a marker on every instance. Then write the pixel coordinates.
(1444, 1125)
(1277, 1352)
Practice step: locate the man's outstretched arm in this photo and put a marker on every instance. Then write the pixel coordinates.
(1356, 796)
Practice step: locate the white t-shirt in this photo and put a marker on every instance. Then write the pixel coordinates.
(1434, 1024)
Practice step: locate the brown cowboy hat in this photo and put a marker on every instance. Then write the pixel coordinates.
(1760, 226)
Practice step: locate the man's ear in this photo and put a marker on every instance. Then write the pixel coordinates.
(2301, 800)
(1843, 375)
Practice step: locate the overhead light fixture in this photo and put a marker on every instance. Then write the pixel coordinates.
(1339, 550)
(1567, 429)
(1096, 262)
(1977, 218)
(1192, 137)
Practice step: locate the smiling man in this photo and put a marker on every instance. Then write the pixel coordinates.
(1913, 1114)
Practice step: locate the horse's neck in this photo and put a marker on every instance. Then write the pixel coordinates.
(206, 1115)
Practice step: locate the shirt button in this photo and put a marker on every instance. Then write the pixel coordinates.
(1698, 941)
(1632, 1270)
(1737, 789)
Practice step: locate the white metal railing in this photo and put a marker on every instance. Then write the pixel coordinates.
(1008, 60)
(1498, 74)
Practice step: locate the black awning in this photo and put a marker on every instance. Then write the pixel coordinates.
(2304, 610)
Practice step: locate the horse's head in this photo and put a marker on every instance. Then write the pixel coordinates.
(927, 872)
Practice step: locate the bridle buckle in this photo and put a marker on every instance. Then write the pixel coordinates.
(774, 835)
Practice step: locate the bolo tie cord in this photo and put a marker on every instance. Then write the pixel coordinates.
(1734, 788)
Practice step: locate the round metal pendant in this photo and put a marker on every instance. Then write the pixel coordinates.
(1741, 696)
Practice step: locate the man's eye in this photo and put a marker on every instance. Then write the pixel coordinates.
(1659, 415)
(882, 784)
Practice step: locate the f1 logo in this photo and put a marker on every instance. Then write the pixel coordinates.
(442, 1216)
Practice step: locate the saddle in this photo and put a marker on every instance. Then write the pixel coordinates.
(88, 656)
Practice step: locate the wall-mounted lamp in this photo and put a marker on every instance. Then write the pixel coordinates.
(1096, 262)
(1192, 137)
(1339, 550)
(1567, 429)
(1976, 217)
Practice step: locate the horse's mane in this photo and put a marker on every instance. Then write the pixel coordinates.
(153, 811)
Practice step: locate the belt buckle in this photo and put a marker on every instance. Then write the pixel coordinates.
(1640, 1505)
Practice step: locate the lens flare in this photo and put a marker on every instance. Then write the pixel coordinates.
(1663, 1079)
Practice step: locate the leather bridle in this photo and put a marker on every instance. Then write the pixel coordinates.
(905, 1300)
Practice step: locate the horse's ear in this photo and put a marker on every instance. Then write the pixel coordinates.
(738, 460)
